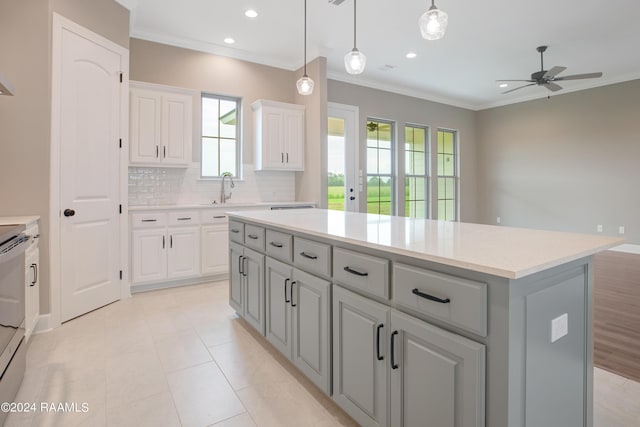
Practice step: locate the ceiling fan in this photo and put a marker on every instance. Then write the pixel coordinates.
(547, 78)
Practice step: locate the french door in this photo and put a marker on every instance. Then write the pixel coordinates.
(343, 187)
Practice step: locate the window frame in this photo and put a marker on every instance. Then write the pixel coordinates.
(427, 169)
(238, 138)
(455, 176)
(393, 176)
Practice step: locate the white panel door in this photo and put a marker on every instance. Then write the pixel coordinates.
(89, 174)
(176, 128)
(184, 252)
(145, 126)
(148, 255)
(215, 249)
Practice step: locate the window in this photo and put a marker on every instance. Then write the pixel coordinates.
(220, 136)
(447, 175)
(380, 166)
(415, 177)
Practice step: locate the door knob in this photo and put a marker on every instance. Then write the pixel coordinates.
(352, 198)
(69, 212)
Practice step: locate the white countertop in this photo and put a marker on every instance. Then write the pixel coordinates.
(10, 220)
(501, 251)
(228, 206)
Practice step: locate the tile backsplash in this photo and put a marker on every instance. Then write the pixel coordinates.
(170, 186)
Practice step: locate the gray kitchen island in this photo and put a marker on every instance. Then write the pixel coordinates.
(410, 322)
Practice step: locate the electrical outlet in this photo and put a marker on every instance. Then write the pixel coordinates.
(599, 228)
(498, 220)
(559, 327)
(621, 229)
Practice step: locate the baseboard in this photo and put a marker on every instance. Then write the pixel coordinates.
(186, 282)
(43, 324)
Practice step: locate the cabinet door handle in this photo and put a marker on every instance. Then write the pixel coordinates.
(394, 365)
(149, 220)
(171, 242)
(35, 274)
(252, 237)
(186, 218)
(276, 244)
(416, 291)
(164, 151)
(244, 270)
(235, 230)
(292, 304)
(281, 157)
(240, 265)
(287, 157)
(162, 242)
(219, 216)
(356, 272)
(380, 357)
(285, 290)
(157, 152)
(306, 255)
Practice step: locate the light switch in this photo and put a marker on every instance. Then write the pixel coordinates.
(559, 327)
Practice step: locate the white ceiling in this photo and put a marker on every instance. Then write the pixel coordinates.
(485, 40)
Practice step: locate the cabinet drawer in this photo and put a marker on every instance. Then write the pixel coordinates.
(279, 245)
(236, 231)
(183, 218)
(312, 256)
(148, 220)
(458, 301)
(213, 217)
(364, 272)
(254, 237)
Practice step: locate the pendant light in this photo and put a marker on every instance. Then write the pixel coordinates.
(305, 84)
(433, 23)
(355, 60)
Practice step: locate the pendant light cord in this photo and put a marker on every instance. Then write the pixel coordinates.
(354, 24)
(305, 38)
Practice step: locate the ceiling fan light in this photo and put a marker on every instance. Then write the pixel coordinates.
(305, 85)
(433, 23)
(355, 61)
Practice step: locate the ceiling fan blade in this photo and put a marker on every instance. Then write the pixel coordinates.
(552, 86)
(520, 87)
(530, 81)
(553, 72)
(580, 76)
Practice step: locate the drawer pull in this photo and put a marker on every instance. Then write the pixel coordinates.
(252, 237)
(380, 357)
(276, 245)
(306, 255)
(356, 272)
(394, 365)
(219, 216)
(185, 219)
(235, 230)
(149, 220)
(285, 290)
(416, 291)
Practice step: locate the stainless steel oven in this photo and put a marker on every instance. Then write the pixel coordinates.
(13, 243)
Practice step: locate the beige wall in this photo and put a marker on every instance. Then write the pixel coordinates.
(173, 66)
(404, 109)
(25, 119)
(565, 163)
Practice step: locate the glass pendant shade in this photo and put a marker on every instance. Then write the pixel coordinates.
(433, 23)
(355, 61)
(305, 85)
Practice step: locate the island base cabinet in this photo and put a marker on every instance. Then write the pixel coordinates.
(246, 285)
(360, 357)
(310, 314)
(297, 320)
(437, 377)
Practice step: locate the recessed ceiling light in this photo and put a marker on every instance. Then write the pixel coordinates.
(411, 55)
(250, 13)
(229, 40)
(504, 84)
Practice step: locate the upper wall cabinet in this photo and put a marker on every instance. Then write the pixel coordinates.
(161, 126)
(279, 136)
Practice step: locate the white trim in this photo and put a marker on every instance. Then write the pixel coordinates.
(135, 84)
(43, 324)
(355, 112)
(60, 24)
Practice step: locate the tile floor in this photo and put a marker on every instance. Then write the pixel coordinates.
(181, 357)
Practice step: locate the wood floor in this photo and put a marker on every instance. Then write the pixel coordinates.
(616, 313)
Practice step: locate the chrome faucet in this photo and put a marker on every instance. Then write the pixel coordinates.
(223, 195)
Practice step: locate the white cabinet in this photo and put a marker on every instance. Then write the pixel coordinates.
(279, 135)
(149, 255)
(161, 123)
(183, 258)
(32, 283)
(215, 249)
